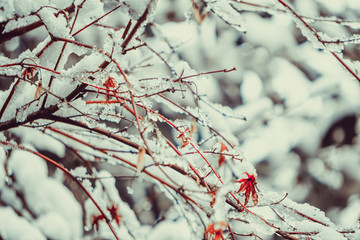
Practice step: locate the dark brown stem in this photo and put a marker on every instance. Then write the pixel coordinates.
(126, 30)
(135, 28)
(43, 113)
(22, 30)
(9, 98)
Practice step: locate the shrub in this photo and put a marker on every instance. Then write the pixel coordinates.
(145, 119)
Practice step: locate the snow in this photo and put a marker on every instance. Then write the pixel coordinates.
(307, 7)
(27, 6)
(56, 26)
(226, 11)
(171, 230)
(54, 226)
(330, 234)
(290, 83)
(2, 170)
(13, 44)
(353, 4)
(335, 7)
(27, 167)
(10, 223)
(45, 195)
(251, 87)
(39, 141)
(136, 8)
(351, 213)
(268, 35)
(91, 10)
(332, 178)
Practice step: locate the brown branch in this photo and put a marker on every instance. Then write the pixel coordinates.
(19, 31)
(9, 98)
(22, 30)
(96, 20)
(135, 28)
(128, 25)
(43, 113)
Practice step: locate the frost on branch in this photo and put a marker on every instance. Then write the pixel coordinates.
(182, 119)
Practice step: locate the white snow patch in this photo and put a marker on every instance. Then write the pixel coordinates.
(40, 140)
(171, 230)
(14, 227)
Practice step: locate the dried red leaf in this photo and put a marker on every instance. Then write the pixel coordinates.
(114, 214)
(184, 139)
(248, 185)
(95, 221)
(38, 91)
(141, 159)
(185, 143)
(199, 17)
(221, 160)
(181, 135)
(213, 194)
(223, 147)
(109, 83)
(28, 73)
(254, 196)
(214, 231)
(193, 127)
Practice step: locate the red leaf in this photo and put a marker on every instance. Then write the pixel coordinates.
(185, 140)
(243, 187)
(109, 83)
(248, 185)
(141, 159)
(254, 196)
(213, 200)
(185, 143)
(95, 221)
(223, 147)
(221, 160)
(28, 73)
(214, 232)
(181, 135)
(38, 90)
(242, 180)
(114, 214)
(247, 195)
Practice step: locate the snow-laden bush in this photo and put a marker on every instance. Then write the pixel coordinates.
(179, 119)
